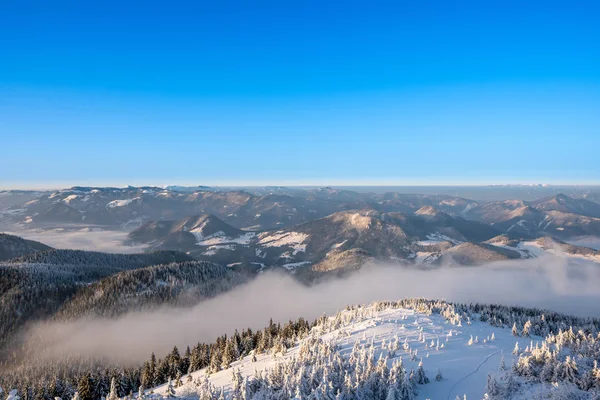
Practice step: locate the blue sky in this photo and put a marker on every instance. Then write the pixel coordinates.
(299, 92)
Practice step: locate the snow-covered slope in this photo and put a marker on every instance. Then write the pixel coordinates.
(464, 354)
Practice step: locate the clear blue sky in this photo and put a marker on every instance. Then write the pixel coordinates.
(299, 92)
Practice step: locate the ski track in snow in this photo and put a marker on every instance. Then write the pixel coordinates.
(461, 380)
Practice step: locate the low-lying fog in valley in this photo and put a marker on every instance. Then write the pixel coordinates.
(82, 238)
(547, 282)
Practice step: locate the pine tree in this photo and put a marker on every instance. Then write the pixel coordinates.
(178, 381)
(113, 395)
(85, 388)
(237, 381)
(421, 377)
(392, 393)
(502, 366)
(596, 374)
(227, 358)
(215, 360)
(491, 387)
(153, 373)
(526, 328)
(185, 361)
(170, 392)
(141, 395)
(174, 361)
(547, 373)
(515, 331)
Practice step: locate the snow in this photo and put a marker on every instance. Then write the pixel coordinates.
(219, 238)
(360, 221)
(293, 266)
(592, 242)
(280, 239)
(544, 220)
(464, 367)
(425, 257)
(299, 248)
(14, 211)
(215, 238)
(533, 249)
(468, 208)
(452, 203)
(525, 251)
(259, 253)
(234, 264)
(244, 239)
(261, 265)
(436, 238)
(212, 250)
(70, 198)
(520, 223)
(121, 203)
(338, 245)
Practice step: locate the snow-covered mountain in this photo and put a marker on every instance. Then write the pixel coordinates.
(268, 208)
(343, 241)
(405, 351)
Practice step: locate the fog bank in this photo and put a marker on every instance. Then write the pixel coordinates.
(91, 239)
(547, 282)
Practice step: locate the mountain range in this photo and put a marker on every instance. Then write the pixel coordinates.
(321, 229)
(201, 242)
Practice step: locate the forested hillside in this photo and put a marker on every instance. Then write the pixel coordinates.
(175, 284)
(13, 246)
(35, 286)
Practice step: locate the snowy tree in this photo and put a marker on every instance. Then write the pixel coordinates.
(491, 386)
(567, 370)
(85, 388)
(170, 391)
(178, 381)
(141, 395)
(421, 377)
(237, 382)
(502, 366)
(392, 393)
(547, 373)
(113, 395)
(516, 349)
(515, 330)
(526, 328)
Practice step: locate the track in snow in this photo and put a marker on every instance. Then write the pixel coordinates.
(473, 372)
